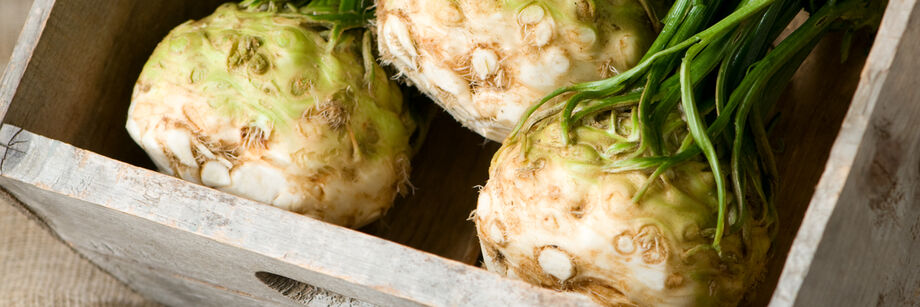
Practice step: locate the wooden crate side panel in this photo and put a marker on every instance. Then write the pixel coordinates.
(175, 267)
(859, 235)
(173, 289)
(187, 218)
(869, 252)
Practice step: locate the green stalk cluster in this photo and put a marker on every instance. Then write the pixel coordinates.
(338, 15)
(714, 71)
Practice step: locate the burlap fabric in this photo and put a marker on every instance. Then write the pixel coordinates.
(36, 269)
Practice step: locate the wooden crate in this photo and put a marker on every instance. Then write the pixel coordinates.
(851, 176)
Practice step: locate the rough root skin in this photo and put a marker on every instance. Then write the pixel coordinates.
(554, 218)
(485, 62)
(254, 104)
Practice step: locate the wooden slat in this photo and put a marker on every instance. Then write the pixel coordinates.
(170, 266)
(860, 236)
(106, 207)
(22, 54)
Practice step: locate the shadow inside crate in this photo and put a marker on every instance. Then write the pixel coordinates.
(810, 113)
(434, 216)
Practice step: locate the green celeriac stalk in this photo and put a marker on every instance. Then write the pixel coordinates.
(756, 22)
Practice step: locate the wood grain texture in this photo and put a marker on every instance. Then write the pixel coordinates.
(191, 238)
(860, 235)
(22, 54)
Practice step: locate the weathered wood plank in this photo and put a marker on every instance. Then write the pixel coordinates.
(175, 289)
(164, 263)
(859, 237)
(22, 54)
(112, 208)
